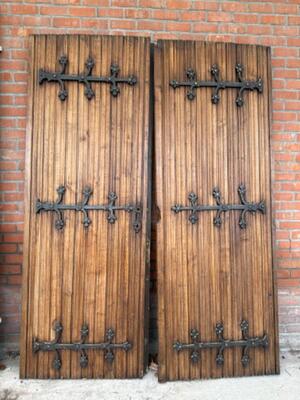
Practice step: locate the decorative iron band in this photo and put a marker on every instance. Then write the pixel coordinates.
(86, 78)
(56, 346)
(192, 83)
(58, 207)
(245, 207)
(221, 344)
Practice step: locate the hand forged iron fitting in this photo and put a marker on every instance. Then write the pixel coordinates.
(85, 78)
(56, 345)
(246, 343)
(244, 207)
(192, 83)
(59, 207)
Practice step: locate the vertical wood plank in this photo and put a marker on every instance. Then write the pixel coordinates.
(200, 146)
(91, 276)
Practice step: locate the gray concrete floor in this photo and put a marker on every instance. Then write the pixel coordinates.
(285, 386)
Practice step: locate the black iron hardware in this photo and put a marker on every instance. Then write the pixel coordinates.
(86, 78)
(192, 83)
(245, 207)
(56, 345)
(58, 207)
(221, 344)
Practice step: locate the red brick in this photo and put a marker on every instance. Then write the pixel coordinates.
(178, 4)
(7, 309)
(288, 282)
(166, 14)
(150, 25)
(245, 18)
(292, 105)
(37, 21)
(283, 274)
(104, 3)
(294, 63)
(203, 27)
(232, 28)
(272, 19)
(286, 9)
(289, 224)
(8, 228)
(236, 6)
(293, 84)
(52, 10)
(82, 11)
(19, 175)
(123, 24)
(178, 26)
(12, 238)
(11, 65)
(8, 207)
(196, 16)
(285, 52)
(165, 36)
(282, 235)
(218, 17)
(206, 5)
(110, 12)
(283, 263)
(123, 3)
(13, 197)
(272, 41)
(139, 14)
(13, 258)
(8, 248)
(285, 30)
(14, 279)
(94, 23)
(12, 217)
(261, 8)
(151, 3)
(8, 165)
(293, 42)
(284, 116)
(19, 54)
(66, 22)
(24, 9)
(12, 111)
(285, 73)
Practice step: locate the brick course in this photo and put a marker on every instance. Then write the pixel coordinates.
(272, 23)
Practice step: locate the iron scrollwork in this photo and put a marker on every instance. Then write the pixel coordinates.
(244, 207)
(192, 83)
(56, 345)
(246, 343)
(86, 78)
(59, 207)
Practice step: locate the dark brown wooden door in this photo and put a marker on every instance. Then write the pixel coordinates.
(84, 267)
(215, 278)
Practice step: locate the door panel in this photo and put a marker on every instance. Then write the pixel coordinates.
(85, 267)
(212, 269)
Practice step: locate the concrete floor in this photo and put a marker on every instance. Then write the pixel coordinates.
(279, 387)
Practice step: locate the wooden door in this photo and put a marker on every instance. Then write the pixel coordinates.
(86, 208)
(214, 249)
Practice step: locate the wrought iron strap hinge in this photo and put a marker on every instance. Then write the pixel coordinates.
(59, 207)
(244, 207)
(56, 345)
(192, 83)
(221, 344)
(86, 78)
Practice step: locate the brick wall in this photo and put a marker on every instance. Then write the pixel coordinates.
(272, 23)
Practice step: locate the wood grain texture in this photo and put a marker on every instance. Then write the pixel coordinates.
(208, 274)
(96, 275)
